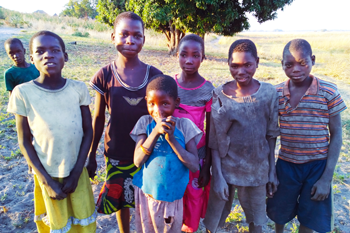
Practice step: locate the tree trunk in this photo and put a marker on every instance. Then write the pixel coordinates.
(173, 36)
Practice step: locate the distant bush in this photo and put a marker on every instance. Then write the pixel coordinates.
(85, 34)
(2, 14)
(17, 21)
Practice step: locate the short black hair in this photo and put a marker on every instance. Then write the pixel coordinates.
(296, 45)
(13, 41)
(162, 82)
(243, 45)
(128, 15)
(46, 33)
(193, 37)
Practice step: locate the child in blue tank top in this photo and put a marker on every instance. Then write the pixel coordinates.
(166, 151)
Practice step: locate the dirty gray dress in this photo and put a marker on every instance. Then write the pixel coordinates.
(239, 130)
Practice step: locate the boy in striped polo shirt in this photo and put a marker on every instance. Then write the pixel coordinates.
(308, 107)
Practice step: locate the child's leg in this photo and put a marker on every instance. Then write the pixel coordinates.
(123, 219)
(279, 228)
(252, 200)
(303, 229)
(254, 229)
(218, 209)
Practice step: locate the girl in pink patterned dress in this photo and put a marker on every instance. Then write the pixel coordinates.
(195, 95)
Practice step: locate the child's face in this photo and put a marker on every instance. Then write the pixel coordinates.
(16, 53)
(48, 56)
(297, 65)
(128, 37)
(160, 104)
(243, 66)
(190, 56)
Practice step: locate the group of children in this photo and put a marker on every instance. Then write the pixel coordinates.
(176, 148)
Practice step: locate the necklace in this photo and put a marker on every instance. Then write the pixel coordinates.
(126, 86)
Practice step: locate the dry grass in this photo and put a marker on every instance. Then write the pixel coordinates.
(332, 50)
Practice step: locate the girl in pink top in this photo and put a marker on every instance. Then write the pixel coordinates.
(195, 103)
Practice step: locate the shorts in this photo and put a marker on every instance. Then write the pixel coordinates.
(252, 200)
(75, 213)
(117, 191)
(293, 196)
(150, 214)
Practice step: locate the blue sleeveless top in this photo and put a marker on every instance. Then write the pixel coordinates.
(163, 175)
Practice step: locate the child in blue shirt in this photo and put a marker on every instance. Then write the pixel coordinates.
(166, 151)
(21, 71)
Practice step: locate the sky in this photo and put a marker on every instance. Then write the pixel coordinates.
(300, 15)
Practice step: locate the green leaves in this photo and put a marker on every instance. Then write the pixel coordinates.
(80, 9)
(109, 9)
(202, 16)
(225, 17)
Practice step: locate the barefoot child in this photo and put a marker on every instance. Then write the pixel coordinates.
(165, 151)
(308, 107)
(21, 71)
(243, 131)
(195, 94)
(121, 86)
(55, 112)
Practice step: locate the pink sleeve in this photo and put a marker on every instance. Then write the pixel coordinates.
(208, 105)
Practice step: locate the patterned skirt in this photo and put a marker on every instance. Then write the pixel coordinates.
(117, 191)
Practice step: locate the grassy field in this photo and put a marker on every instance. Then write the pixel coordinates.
(332, 50)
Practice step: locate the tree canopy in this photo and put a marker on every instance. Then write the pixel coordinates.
(80, 9)
(176, 17)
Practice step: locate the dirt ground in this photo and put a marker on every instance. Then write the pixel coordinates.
(16, 185)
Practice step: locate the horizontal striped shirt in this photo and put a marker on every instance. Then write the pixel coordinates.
(304, 129)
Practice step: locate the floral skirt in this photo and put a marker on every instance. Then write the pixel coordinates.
(76, 213)
(117, 191)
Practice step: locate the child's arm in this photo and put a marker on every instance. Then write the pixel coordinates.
(273, 181)
(53, 188)
(220, 186)
(272, 133)
(321, 188)
(70, 183)
(8, 82)
(140, 156)
(188, 156)
(98, 124)
(204, 175)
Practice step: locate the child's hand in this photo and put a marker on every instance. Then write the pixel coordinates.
(204, 176)
(220, 187)
(91, 166)
(320, 190)
(164, 125)
(70, 183)
(169, 127)
(271, 186)
(54, 190)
